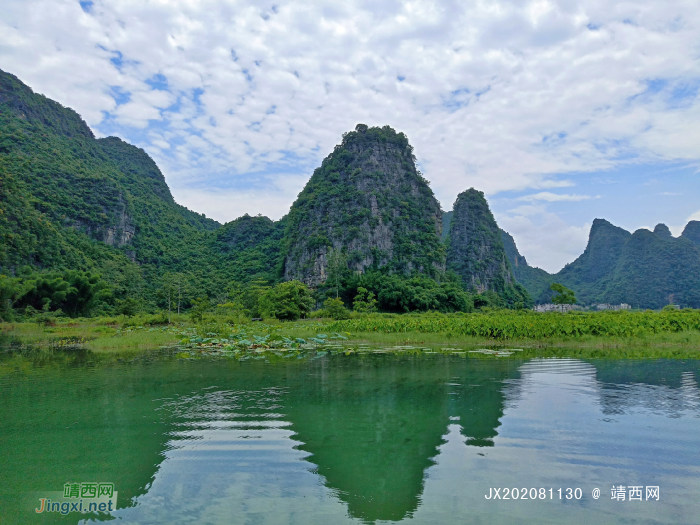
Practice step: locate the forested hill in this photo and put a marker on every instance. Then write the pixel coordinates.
(367, 200)
(70, 201)
(644, 269)
(64, 183)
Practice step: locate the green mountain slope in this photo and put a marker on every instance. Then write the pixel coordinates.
(644, 269)
(692, 232)
(59, 196)
(535, 280)
(250, 247)
(70, 201)
(105, 189)
(655, 269)
(590, 274)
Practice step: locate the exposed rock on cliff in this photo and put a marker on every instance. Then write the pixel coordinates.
(475, 250)
(368, 202)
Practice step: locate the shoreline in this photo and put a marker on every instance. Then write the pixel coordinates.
(103, 337)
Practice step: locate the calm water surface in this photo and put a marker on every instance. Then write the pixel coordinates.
(352, 439)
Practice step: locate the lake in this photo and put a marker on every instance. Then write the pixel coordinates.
(352, 439)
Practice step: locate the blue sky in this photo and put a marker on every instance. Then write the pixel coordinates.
(560, 111)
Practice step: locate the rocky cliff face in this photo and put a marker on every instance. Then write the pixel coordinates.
(475, 250)
(117, 230)
(368, 202)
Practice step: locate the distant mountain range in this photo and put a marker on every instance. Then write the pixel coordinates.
(644, 269)
(69, 200)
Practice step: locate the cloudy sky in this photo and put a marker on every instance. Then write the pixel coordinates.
(560, 111)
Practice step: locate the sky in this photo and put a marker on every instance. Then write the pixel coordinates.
(560, 111)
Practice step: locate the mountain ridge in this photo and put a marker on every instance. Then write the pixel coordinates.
(71, 201)
(644, 269)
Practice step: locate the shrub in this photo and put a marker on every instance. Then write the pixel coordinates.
(335, 309)
(288, 301)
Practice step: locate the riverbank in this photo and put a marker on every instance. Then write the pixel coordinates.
(651, 335)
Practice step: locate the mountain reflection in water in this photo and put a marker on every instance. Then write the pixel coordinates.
(369, 439)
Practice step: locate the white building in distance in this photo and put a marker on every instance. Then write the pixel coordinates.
(606, 306)
(549, 307)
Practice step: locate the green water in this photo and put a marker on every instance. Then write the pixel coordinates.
(351, 439)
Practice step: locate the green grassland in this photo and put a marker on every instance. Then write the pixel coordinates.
(614, 335)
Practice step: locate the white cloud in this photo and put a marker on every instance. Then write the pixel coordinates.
(220, 204)
(555, 197)
(694, 217)
(544, 239)
(500, 95)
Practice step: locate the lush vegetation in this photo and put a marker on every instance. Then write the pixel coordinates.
(77, 210)
(525, 324)
(71, 202)
(535, 280)
(644, 269)
(563, 294)
(214, 333)
(46, 295)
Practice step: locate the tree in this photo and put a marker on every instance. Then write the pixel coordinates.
(9, 290)
(86, 289)
(126, 280)
(128, 307)
(252, 295)
(564, 295)
(289, 301)
(364, 302)
(182, 283)
(73, 291)
(200, 306)
(233, 311)
(337, 266)
(334, 308)
(40, 289)
(170, 291)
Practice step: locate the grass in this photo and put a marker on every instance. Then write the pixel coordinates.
(116, 336)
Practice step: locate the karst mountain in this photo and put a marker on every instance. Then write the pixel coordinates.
(71, 201)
